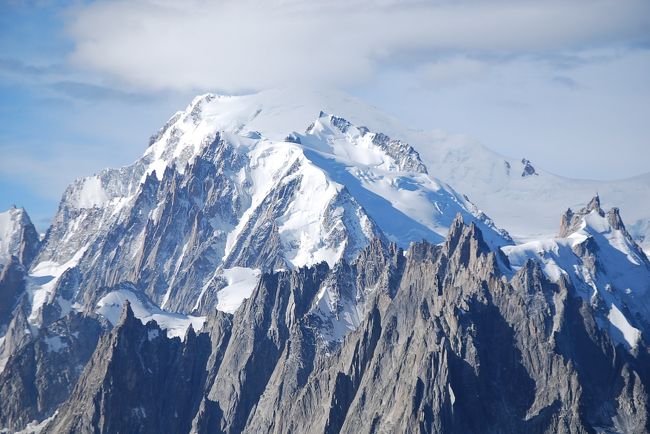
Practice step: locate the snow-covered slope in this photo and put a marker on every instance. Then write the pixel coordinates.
(238, 184)
(18, 237)
(598, 255)
(111, 305)
(524, 198)
(516, 193)
(520, 196)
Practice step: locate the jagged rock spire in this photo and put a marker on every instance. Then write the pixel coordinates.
(528, 170)
(594, 205)
(615, 220)
(127, 314)
(574, 221)
(571, 220)
(19, 237)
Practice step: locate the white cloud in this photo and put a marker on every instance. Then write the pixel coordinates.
(243, 44)
(452, 71)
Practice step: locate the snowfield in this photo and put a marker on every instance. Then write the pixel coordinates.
(619, 279)
(305, 177)
(111, 305)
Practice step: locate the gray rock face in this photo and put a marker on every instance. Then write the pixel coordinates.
(170, 238)
(345, 331)
(16, 333)
(19, 244)
(151, 382)
(40, 375)
(444, 343)
(528, 170)
(18, 237)
(571, 221)
(12, 286)
(175, 253)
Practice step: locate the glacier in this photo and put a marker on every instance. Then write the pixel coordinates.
(231, 182)
(277, 219)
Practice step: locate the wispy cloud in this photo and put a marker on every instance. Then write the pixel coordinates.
(94, 93)
(61, 81)
(236, 44)
(17, 66)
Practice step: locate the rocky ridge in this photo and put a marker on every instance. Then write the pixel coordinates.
(448, 343)
(271, 281)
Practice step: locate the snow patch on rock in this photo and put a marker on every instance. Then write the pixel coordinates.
(240, 284)
(42, 281)
(605, 266)
(55, 343)
(91, 193)
(629, 334)
(110, 307)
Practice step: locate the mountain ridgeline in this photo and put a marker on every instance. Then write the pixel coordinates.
(261, 269)
(447, 343)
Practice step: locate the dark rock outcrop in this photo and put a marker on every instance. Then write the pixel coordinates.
(445, 343)
(528, 170)
(41, 374)
(137, 381)
(12, 286)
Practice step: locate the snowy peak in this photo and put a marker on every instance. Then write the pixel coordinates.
(605, 228)
(572, 221)
(593, 222)
(528, 169)
(520, 196)
(124, 305)
(604, 264)
(228, 183)
(367, 146)
(18, 237)
(390, 181)
(271, 115)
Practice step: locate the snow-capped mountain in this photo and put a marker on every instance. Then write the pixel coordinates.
(446, 343)
(596, 253)
(18, 237)
(214, 200)
(518, 194)
(524, 198)
(294, 262)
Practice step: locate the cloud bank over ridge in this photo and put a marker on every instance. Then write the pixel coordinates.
(244, 44)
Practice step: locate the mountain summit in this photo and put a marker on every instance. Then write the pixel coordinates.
(277, 263)
(219, 196)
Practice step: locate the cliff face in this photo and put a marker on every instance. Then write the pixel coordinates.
(18, 237)
(137, 379)
(445, 342)
(286, 273)
(19, 245)
(43, 370)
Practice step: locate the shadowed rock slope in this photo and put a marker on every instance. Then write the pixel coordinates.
(449, 339)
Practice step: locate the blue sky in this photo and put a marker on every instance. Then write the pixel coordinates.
(84, 84)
